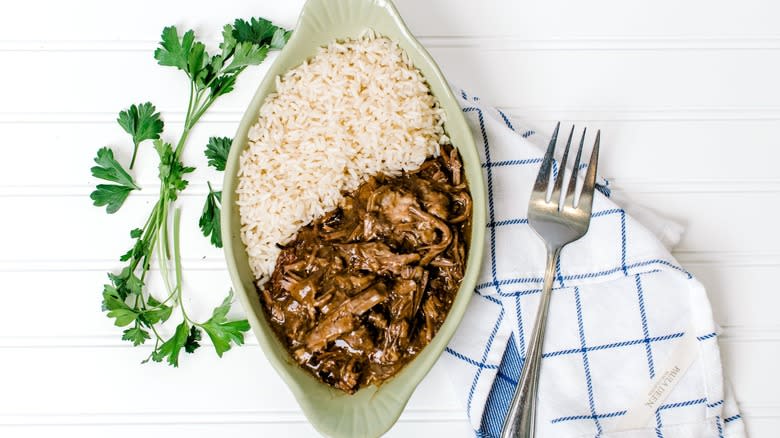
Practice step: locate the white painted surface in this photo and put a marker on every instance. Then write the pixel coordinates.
(685, 93)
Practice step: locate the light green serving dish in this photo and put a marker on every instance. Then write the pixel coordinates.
(371, 411)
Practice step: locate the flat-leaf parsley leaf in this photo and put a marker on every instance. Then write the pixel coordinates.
(221, 331)
(210, 218)
(111, 195)
(217, 150)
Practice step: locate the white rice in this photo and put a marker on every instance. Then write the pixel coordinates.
(358, 108)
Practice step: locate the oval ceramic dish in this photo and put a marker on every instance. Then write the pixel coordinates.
(372, 410)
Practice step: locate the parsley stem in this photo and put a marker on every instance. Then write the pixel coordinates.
(164, 273)
(161, 222)
(135, 152)
(189, 101)
(150, 237)
(192, 103)
(159, 338)
(177, 260)
(204, 108)
(180, 146)
(189, 121)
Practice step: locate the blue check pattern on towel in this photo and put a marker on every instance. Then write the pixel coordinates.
(620, 305)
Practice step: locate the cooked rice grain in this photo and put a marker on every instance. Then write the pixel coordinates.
(356, 109)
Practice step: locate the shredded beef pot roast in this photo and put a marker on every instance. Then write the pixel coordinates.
(359, 292)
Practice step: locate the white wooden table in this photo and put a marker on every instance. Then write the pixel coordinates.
(685, 94)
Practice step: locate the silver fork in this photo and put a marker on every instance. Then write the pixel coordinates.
(558, 220)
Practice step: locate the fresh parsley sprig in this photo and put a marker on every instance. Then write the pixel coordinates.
(210, 222)
(142, 123)
(217, 150)
(126, 297)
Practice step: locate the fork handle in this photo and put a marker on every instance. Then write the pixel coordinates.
(519, 420)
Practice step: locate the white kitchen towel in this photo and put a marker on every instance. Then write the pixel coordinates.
(631, 346)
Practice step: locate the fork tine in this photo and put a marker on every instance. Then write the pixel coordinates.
(586, 198)
(543, 178)
(556, 193)
(570, 193)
